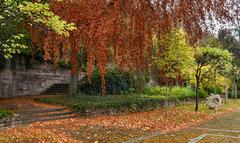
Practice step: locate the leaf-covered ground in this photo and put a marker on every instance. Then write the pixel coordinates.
(104, 128)
(224, 129)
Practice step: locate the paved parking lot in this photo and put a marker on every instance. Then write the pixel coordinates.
(225, 129)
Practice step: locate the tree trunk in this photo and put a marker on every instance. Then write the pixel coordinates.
(166, 96)
(166, 101)
(13, 68)
(215, 76)
(197, 92)
(226, 91)
(154, 77)
(236, 92)
(226, 94)
(233, 87)
(73, 86)
(103, 85)
(139, 82)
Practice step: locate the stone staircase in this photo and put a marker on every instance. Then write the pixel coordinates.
(32, 115)
(61, 88)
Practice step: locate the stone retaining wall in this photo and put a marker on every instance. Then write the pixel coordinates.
(31, 81)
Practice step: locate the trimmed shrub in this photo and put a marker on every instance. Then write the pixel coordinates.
(177, 92)
(113, 104)
(155, 91)
(211, 89)
(203, 93)
(116, 83)
(5, 113)
(108, 104)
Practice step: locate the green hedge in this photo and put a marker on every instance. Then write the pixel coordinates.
(5, 113)
(203, 93)
(210, 89)
(153, 98)
(175, 92)
(131, 104)
(116, 83)
(123, 103)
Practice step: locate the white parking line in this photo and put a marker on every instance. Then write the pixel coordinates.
(201, 137)
(197, 139)
(218, 130)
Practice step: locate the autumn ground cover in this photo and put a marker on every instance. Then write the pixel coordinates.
(224, 129)
(105, 128)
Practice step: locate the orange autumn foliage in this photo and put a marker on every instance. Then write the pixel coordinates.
(126, 26)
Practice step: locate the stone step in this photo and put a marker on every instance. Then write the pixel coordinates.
(58, 86)
(38, 115)
(66, 113)
(57, 89)
(50, 118)
(54, 93)
(39, 111)
(63, 84)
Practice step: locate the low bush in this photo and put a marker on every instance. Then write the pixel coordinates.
(105, 104)
(116, 83)
(108, 104)
(5, 113)
(203, 93)
(175, 92)
(211, 89)
(180, 92)
(124, 104)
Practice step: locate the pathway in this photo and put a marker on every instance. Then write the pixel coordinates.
(27, 111)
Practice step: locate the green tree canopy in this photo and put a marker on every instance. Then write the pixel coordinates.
(177, 56)
(208, 61)
(17, 15)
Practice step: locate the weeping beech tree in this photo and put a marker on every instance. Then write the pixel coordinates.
(127, 27)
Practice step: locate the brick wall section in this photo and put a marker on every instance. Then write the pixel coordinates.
(30, 82)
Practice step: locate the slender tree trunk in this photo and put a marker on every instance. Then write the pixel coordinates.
(103, 85)
(236, 92)
(233, 87)
(13, 68)
(166, 97)
(197, 92)
(73, 86)
(215, 76)
(166, 102)
(226, 94)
